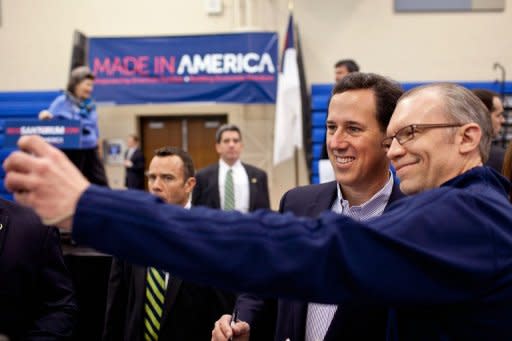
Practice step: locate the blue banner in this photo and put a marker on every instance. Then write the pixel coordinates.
(238, 67)
(64, 134)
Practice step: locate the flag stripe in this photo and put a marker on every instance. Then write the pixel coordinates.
(288, 118)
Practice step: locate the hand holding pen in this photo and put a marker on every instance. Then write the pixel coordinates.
(234, 319)
(229, 327)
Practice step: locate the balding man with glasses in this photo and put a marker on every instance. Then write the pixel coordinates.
(440, 259)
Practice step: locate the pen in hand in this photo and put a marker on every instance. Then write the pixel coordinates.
(234, 318)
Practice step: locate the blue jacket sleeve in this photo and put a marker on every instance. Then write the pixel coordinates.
(61, 108)
(418, 252)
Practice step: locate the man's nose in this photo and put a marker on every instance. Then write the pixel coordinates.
(395, 150)
(338, 140)
(155, 184)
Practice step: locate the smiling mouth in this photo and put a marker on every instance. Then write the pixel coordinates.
(344, 160)
(399, 168)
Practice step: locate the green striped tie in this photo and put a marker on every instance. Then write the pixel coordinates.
(155, 296)
(229, 192)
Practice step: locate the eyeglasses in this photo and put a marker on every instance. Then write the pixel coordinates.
(407, 133)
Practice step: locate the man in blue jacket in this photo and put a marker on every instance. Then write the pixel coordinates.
(442, 259)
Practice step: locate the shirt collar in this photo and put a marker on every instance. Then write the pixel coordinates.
(223, 166)
(382, 196)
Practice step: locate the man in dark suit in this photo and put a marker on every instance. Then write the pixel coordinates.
(134, 164)
(36, 292)
(364, 186)
(249, 185)
(141, 304)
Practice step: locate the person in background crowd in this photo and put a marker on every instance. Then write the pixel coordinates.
(134, 164)
(507, 166)
(493, 103)
(441, 257)
(76, 104)
(37, 299)
(343, 68)
(231, 184)
(364, 188)
(146, 303)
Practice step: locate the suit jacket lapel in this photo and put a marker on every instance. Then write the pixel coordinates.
(300, 320)
(215, 187)
(139, 287)
(291, 320)
(253, 181)
(173, 288)
(3, 228)
(323, 201)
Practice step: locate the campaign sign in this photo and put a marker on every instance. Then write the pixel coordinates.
(235, 67)
(63, 134)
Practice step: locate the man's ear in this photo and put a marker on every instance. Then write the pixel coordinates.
(470, 135)
(190, 184)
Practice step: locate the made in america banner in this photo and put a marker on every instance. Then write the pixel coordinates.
(237, 68)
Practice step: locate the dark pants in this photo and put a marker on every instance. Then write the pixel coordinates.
(89, 163)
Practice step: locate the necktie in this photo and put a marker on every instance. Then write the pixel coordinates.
(155, 295)
(229, 191)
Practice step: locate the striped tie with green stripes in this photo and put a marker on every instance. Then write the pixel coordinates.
(155, 296)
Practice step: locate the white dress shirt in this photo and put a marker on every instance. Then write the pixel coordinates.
(240, 184)
(319, 316)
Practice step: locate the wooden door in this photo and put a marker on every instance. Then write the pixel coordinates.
(194, 134)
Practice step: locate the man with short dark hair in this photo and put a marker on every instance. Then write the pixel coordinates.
(441, 258)
(231, 184)
(145, 303)
(359, 111)
(343, 68)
